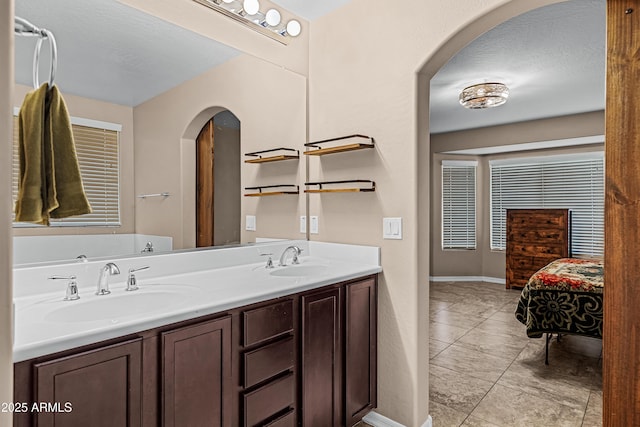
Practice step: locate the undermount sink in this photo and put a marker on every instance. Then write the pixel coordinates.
(300, 270)
(112, 306)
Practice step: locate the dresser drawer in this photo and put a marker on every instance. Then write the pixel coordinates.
(268, 400)
(537, 218)
(527, 234)
(268, 361)
(267, 322)
(287, 420)
(533, 249)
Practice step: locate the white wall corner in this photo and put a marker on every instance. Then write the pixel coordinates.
(376, 420)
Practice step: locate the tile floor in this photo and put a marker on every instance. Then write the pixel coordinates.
(485, 372)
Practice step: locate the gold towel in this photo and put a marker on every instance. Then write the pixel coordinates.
(50, 184)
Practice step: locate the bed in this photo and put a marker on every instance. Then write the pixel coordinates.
(564, 297)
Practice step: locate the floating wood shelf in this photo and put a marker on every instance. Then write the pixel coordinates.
(342, 189)
(272, 155)
(278, 190)
(339, 148)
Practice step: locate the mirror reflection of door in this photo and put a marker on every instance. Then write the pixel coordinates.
(218, 181)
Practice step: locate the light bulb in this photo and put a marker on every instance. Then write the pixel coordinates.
(272, 17)
(251, 7)
(293, 28)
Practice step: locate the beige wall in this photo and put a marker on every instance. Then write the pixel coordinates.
(97, 110)
(483, 261)
(6, 125)
(227, 196)
(270, 103)
(369, 66)
(368, 73)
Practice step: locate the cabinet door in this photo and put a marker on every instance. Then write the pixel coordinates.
(96, 388)
(196, 375)
(360, 349)
(322, 359)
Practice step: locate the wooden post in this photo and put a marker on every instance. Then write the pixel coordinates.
(621, 341)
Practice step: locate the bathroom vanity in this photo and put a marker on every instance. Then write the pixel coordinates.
(304, 356)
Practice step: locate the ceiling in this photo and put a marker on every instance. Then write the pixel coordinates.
(552, 58)
(112, 52)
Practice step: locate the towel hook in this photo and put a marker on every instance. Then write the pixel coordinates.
(53, 50)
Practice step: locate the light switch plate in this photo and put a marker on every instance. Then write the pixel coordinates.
(314, 225)
(303, 223)
(250, 223)
(392, 228)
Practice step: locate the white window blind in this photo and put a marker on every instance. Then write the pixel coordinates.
(97, 150)
(459, 204)
(567, 182)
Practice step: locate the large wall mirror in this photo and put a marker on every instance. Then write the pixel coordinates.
(183, 108)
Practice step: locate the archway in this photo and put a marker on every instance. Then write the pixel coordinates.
(428, 69)
(211, 178)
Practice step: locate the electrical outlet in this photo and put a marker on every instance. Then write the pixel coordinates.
(303, 224)
(314, 225)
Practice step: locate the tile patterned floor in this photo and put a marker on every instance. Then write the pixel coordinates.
(485, 372)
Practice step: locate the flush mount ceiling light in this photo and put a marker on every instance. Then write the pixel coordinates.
(247, 12)
(484, 95)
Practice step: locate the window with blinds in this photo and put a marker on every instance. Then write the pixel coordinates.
(97, 150)
(573, 182)
(459, 204)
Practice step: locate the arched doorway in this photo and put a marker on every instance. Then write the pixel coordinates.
(425, 73)
(217, 181)
(620, 353)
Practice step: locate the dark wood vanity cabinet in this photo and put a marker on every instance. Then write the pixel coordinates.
(303, 360)
(321, 362)
(339, 354)
(360, 349)
(267, 358)
(98, 387)
(196, 375)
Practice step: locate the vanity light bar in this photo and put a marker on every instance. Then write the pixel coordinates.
(276, 33)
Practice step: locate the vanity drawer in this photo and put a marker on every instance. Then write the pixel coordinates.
(267, 322)
(268, 400)
(287, 420)
(268, 361)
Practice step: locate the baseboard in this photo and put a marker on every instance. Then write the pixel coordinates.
(376, 420)
(497, 280)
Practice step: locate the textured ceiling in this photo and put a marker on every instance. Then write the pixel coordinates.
(111, 52)
(552, 59)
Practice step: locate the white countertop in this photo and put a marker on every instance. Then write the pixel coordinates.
(46, 324)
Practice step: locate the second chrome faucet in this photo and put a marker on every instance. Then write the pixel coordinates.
(109, 269)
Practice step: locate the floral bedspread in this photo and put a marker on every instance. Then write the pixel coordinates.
(564, 297)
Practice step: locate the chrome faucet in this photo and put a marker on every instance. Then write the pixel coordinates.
(72, 287)
(109, 269)
(296, 253)
(132, 282)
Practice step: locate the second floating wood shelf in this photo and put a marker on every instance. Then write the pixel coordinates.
(275, 155)
(292, 189)
(339, 148)
(342, 189)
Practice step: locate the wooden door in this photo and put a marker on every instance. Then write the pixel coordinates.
(205, 185)
(197, 375)
(95, 388)
(322, 359)
(360, 365)
(621, 340)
